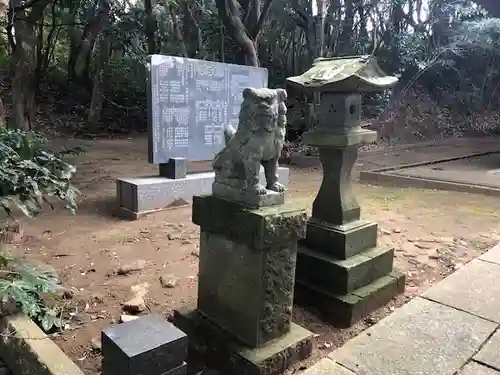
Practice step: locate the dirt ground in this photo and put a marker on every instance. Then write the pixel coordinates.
(433, 232)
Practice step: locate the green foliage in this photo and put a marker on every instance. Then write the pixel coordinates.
(29, 175)
(483, 33)
(24, 284)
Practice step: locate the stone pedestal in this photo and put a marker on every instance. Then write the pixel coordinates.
(340, 269)
(242, 324)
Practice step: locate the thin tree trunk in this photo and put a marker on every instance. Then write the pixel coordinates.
(3, 123)
(245, 30)
(177, 31)
(24, 63)
(96, 102)
(150, 27)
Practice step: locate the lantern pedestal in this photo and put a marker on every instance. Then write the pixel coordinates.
(341, 271)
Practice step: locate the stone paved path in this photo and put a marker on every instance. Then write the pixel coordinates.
(452, 329)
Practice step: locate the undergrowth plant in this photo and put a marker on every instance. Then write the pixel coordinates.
(30, 176)
(23, 285)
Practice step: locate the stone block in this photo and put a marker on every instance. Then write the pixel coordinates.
(339, 112)
(211, 346)
(473, 368)
(345, 310)
(175, 168)
(492, 255)
(490, 352)
(247, 291)
(257, 228)
(252, 200)
(343, 276)
(341, 241)
(327, 138)
(422, 337)
(326, 366)
(139, 196)
(180, 370)
(27, 350)
(149, 345)
(479, 289)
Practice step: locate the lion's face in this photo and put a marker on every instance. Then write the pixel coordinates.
(262, 109)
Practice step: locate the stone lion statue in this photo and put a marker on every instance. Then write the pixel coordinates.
(258, 141)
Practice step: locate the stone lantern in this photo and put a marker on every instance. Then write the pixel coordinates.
(340, 269)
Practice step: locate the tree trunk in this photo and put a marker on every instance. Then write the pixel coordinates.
(246, 32)
(24, 62)
(191, 31)
(177, 31)
(150, 27)
(81, 46)
(96, 102)
(345, 45)
(3, 123)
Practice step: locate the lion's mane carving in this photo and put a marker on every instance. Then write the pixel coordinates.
(258, 140)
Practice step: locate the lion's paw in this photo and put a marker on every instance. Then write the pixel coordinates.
(277, 187)
(259, 189)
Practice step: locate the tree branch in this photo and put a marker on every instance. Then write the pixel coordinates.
(263, 15)
(26, 5)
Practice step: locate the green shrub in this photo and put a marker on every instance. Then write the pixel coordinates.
(30, 175)
(23, 284)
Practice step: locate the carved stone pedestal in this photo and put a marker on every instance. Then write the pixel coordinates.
(242, 324)
(341, 270)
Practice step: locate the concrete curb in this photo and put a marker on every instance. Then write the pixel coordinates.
(384, 177)
(27, 350)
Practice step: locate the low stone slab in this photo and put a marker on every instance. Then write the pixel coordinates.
(343, 276)
(211, 346)
(139, 196)
(422, 337)
(478, 287)
(473, 368)
(28, 351)
(490, 353)
(326, 366)
(345, 310)
(492, 255)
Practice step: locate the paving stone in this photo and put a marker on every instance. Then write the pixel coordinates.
(474, 368)
(492, 255)
(473, 288)
(490, 353)
(326, 366)
(423, 337)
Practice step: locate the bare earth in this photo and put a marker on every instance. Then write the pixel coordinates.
(433, 232)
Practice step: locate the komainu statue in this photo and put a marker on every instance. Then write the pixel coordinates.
(257, 141)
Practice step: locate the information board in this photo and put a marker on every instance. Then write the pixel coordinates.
(191, 102)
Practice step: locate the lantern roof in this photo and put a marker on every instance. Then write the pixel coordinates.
(344, 74)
